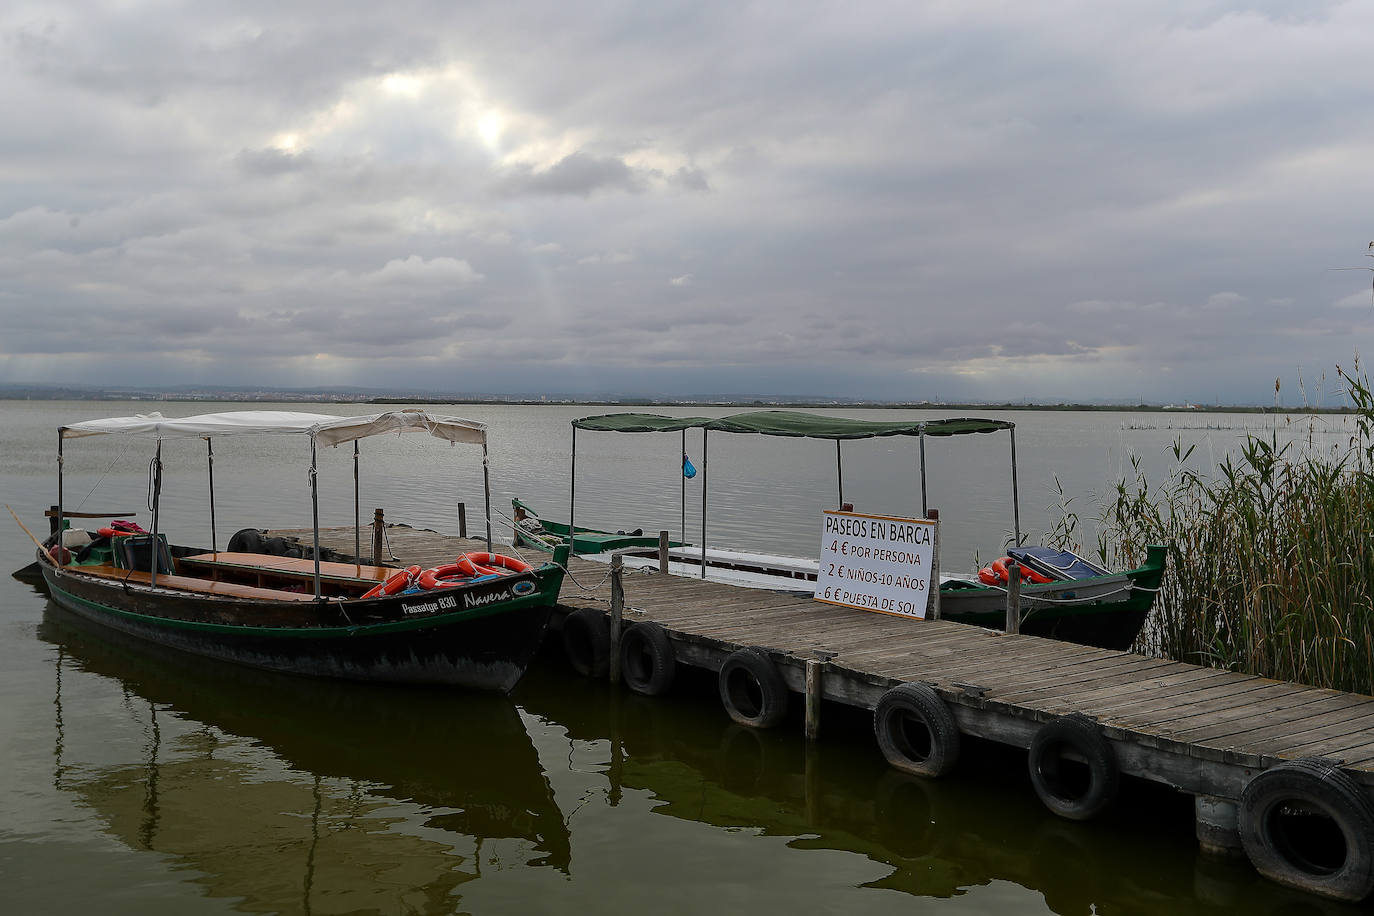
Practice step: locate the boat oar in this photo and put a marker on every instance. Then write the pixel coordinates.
(31, 572)
(25, 527)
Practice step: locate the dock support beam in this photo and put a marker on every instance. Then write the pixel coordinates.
(1218, 830)
(933, 607)
(377, 525)
(1013, 599)
(663, 552)
(357, 509)
(814, 667)
(617, 612)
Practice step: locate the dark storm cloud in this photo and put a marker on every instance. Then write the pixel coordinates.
(268, 162)
(579, 173)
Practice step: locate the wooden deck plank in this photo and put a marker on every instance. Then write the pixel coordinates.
(1326, 727)
(1182, 693)
(1047, 688)
(997, 675)
(1218, 726)
(1170, 681)
(1217, 701)
(1354, 743)
(1006, 663)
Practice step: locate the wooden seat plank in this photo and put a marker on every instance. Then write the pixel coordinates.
(295, 567)
(187, 583)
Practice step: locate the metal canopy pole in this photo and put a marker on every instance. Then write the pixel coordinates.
(59, 499)
(486, 490)
(315, 512)
(683, 528)
(572, 497)
(925, 506)
(704, 431)
(839, 473)
(1015, 496)
(155, 555)
(210, 466)
(357, 528)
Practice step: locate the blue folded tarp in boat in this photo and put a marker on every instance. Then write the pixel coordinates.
(1058, 564)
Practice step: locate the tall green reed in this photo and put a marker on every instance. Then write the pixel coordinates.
(1271, 556)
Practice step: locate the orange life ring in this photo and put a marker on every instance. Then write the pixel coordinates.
(996, 573)
(444, 576)
(469, 566)
(496, 562)
(394, 583)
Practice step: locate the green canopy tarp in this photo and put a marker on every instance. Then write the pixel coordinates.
(790, 423)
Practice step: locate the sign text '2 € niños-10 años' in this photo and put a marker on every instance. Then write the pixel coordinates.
(876, 562)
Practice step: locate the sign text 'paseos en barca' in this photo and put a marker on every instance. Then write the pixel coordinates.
(876, 562)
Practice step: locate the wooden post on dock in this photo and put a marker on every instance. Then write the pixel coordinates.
(933, 609)
(663, 552)
(377, 525)
(617, 611)
(814, 666)
(462, 520)
(1013, 598)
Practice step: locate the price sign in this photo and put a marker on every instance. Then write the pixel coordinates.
(876, 562)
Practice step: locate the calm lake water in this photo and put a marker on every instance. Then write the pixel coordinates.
(137, 781)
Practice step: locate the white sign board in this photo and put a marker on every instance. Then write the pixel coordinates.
(876, 562)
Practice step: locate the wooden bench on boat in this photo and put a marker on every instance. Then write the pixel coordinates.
(265, 569)
(192, 584)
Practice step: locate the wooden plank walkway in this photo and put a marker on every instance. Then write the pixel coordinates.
(1201, 730)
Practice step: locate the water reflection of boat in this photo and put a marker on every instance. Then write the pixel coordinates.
(372, 798)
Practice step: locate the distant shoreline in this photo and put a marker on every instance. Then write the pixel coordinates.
(25, 393)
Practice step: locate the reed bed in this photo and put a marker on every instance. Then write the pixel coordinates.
(1271, 558)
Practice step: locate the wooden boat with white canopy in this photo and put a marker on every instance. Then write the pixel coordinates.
(476, 622)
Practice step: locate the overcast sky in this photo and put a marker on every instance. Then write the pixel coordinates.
(910, 200)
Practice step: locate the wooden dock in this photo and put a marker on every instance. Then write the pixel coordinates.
(1204, 731)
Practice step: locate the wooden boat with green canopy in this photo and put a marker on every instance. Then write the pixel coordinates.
(476, 622)
(1064, 596)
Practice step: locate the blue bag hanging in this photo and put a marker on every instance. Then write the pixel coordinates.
(688, 469)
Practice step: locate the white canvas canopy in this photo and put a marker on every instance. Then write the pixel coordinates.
(324, 428)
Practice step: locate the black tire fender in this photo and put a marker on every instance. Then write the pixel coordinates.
(1306, 824)
(1072, 768)
(587, 642)
(916, 731)
(647, 662)
(246, 540)
(751, 689)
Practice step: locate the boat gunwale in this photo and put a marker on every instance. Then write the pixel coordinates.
(541, 595)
